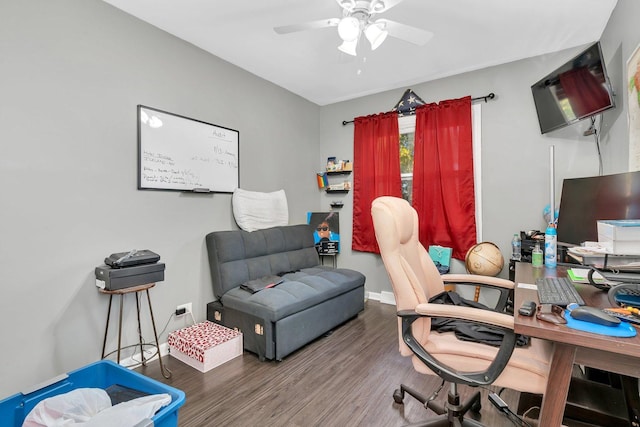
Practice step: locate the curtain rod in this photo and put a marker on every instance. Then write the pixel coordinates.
(486, 98)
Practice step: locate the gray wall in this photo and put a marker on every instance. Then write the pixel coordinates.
(71, 75)
(515, 165)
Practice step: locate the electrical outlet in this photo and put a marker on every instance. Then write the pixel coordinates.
(187, 308)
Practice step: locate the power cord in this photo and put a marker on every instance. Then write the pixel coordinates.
(592, 130)
(164, 329)
(504, 408)
(528, 412)
(146, 343)
(166, 325)
(171, 317)
(434, 395)
(596, 137)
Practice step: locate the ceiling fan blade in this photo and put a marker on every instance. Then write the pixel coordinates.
(346, 4)
(407, 33)
(313, 25)
(373, 6)
(386, 5)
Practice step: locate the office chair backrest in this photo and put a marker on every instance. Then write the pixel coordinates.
(413, 274)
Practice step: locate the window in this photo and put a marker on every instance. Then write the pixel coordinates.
(407, 126)
(406, 164)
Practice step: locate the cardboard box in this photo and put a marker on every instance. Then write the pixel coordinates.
(205, 345)
(622, 235)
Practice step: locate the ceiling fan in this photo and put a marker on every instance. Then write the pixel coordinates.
(358, 18)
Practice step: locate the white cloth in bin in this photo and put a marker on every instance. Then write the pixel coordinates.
(72, 408)
(130, 413)
(91, 407)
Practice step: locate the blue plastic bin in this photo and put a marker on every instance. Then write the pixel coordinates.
(102, 374)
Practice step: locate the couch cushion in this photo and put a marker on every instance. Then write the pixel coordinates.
(299, 291)
(238, 256)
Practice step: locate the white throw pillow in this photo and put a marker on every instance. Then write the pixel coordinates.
(254, 210)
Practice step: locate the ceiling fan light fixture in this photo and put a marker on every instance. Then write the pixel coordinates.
(349, 29)
(376, 34)
(349, 47)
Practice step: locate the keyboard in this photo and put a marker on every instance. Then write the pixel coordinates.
(558, 291)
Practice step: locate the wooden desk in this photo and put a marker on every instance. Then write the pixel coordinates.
(619, 355)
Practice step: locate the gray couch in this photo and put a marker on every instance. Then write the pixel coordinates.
(311, 301)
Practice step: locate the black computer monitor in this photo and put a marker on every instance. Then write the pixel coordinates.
(584, 201)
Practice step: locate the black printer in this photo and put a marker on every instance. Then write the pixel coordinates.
(128, 269)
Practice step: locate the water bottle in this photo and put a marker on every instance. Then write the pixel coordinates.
(550, 246)
(537, 256)
(516, 247)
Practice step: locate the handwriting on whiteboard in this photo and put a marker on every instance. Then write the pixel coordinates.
(161, 168)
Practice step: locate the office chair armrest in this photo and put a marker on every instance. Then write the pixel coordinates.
(504, 286)
(446, 372)
(476, 279)
(472, 314)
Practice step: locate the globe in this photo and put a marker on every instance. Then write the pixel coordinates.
(484, 259)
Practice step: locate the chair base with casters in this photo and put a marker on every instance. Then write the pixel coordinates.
(451, 414)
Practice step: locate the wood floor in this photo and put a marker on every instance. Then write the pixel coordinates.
(344, 379)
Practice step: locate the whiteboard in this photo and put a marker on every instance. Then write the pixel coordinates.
(178, 153)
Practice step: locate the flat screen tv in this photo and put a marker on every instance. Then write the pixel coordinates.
(578, 89)
(584, 201)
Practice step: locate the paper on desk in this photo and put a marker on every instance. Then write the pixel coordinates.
(594, 253)
(591, 248)
(595, 249)
(528, 286)
(580, 275)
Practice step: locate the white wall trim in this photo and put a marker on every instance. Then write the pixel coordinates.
(134, 361)
(384, 297)
(476, 123)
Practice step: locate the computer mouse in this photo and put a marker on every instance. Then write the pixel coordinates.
(594, 315)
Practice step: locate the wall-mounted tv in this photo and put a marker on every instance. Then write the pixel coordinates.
(578, 89)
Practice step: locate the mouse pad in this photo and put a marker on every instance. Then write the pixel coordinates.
(623, 329)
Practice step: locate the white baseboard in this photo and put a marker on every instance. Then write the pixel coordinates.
(134, 360)
(384, 297)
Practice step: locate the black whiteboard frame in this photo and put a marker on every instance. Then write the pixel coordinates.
(141, 144)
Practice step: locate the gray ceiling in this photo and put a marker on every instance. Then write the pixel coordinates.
(468, 35)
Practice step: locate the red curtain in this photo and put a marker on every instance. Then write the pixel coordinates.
(443, 185)
(376, 172)
(584, 91)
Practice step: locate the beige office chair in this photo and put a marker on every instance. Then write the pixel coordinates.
(415, 279)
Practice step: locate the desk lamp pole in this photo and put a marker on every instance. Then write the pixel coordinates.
(552, 188)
